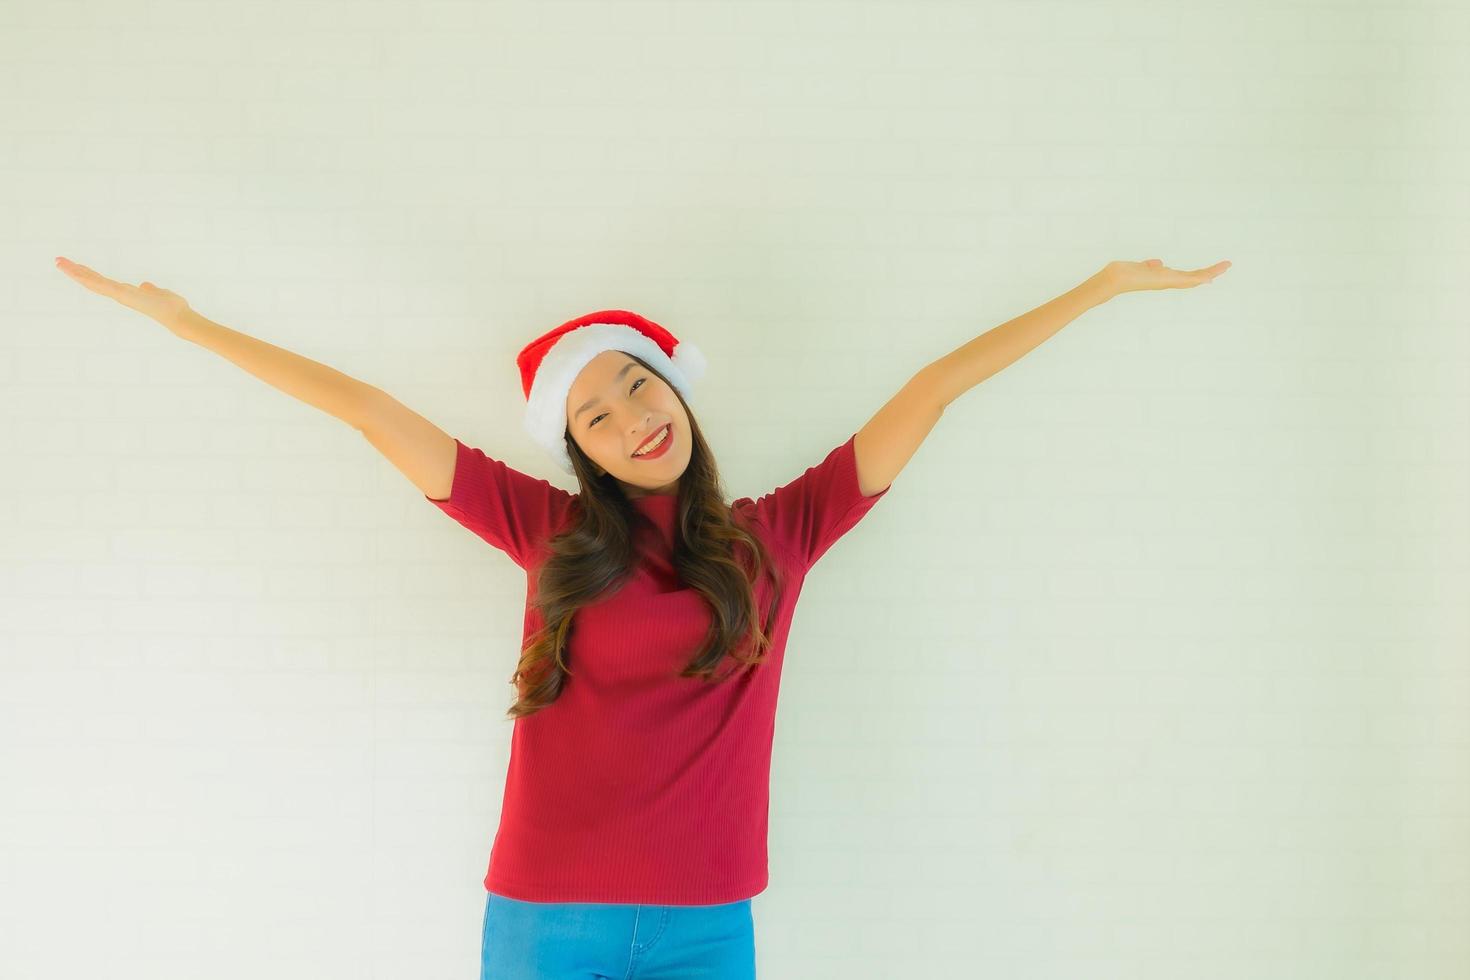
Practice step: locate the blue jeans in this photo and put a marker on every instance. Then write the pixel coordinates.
(596, 941)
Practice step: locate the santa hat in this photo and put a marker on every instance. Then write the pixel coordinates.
(550, 363)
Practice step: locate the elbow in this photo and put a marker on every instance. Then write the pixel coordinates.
(930, 384)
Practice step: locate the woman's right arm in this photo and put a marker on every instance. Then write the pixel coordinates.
(326, 388)
(419, 449)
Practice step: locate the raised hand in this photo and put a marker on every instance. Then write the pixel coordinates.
(152, 301)
(1128, 277)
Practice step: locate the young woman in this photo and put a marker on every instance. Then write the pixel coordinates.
(633, 825)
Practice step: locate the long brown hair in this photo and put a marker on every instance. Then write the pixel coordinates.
(595, 556)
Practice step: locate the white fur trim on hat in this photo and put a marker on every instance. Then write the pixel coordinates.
(546, 406)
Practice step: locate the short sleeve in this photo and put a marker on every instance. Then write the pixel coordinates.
(514, 511)
(809, 514)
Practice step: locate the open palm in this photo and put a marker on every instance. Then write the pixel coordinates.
(1128, 277)
(152, 301)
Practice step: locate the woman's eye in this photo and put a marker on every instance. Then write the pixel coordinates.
(630, 391)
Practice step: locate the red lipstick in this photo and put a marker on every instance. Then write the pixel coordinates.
(663, 446)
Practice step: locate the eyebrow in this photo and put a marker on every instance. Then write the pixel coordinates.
(593, 401)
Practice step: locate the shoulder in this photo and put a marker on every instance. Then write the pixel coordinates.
(746, 512)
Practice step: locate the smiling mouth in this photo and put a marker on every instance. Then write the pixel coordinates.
(654, 437)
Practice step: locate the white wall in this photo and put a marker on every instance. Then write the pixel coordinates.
(1152, 664)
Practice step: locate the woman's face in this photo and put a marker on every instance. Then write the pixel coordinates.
(614, 405)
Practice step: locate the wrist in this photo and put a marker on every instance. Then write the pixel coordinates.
(180, 323)
(1100, 287)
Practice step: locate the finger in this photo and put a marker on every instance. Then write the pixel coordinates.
(76, 270)
(1199, 276)
(81, 271)
(93, 280)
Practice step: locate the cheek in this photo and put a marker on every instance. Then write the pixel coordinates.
(606, 449)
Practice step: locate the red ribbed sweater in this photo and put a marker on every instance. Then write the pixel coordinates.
(637, 786)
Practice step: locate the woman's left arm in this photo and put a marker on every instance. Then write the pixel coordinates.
(890, 438)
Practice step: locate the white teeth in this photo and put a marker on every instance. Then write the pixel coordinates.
(655, 444)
